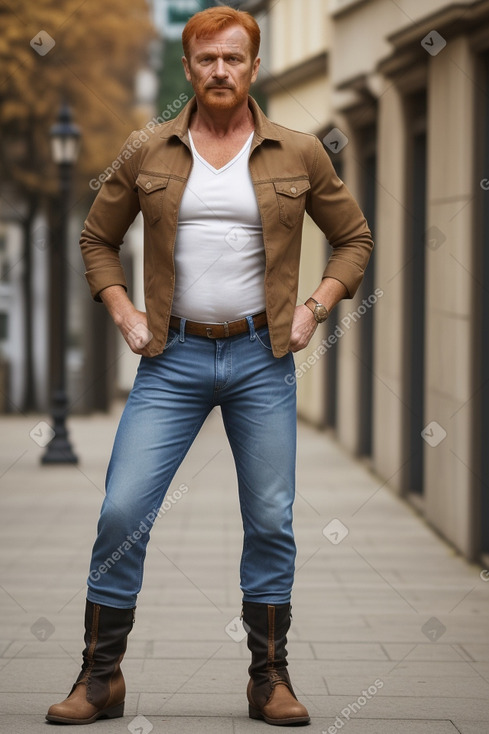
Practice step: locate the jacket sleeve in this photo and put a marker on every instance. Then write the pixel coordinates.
(337, 214)
(112, 212)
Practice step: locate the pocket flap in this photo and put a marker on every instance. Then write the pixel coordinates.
(292, 188)
(149, 182)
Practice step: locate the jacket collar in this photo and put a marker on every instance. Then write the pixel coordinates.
(264, 128)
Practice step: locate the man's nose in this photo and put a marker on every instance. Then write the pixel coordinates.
(220, 70)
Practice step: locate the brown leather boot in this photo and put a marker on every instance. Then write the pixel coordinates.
(99, 690)
(270, 693)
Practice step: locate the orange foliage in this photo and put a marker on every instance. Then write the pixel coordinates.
(99, 45)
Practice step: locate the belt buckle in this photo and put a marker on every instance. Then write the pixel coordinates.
(209, 330)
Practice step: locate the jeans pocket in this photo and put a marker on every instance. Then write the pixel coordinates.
(263, 336)
(171, 339)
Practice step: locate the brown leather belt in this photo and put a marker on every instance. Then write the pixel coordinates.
(219, 331)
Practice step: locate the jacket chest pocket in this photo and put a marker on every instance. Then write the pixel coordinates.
(291, 200)
(151, 191)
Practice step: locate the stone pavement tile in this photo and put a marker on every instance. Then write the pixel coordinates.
(359, 725)
(196, 649)
(477, 651)
(31, 724)
(428, 669)
(181, 623)
(417, 685)
(320, 626)
(405, 706)
(471, 727)
(217, 703)
(482, 669)
(181, 725)
(189, 676)
(50, 650)
(333, 651)
(406, 669)
(408, 628)
(425, 652)
(21, 676)
(369, 670)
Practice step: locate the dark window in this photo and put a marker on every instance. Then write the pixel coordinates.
(483, 306)
(414, 305)
(3, 326)
(366, 323)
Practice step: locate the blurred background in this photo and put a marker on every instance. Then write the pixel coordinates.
(398, 92)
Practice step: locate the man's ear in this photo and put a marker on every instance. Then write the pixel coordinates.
(256, 66)
(186, 68)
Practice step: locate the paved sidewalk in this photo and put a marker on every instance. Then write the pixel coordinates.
(390, 630)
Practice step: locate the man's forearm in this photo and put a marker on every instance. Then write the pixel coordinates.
(330, 292)
(118, 303)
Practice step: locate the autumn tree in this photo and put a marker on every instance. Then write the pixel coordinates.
(86, 53)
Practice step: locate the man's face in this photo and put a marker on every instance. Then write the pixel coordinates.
(220, 68)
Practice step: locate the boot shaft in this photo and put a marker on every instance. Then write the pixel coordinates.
(267, 626)
(106, 631)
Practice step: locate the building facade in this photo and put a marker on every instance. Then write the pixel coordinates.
(399, 96)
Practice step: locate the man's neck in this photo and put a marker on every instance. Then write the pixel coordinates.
(222, 123)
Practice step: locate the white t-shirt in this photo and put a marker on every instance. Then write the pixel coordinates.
(219, 250)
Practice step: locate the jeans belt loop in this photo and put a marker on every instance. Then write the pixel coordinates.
(251, 326)
(182, 329)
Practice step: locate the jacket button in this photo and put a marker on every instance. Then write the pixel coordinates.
(149, 185)
(293, 190)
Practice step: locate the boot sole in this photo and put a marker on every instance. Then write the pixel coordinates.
(256, 714)
(114, 712)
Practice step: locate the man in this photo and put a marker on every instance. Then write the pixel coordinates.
(223, 193)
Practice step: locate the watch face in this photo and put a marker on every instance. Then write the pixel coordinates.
(321, 313)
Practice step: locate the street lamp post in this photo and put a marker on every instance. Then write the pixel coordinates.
(65, 138)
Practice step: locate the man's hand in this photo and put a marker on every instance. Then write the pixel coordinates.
(303, 327)
(132, 324)
(330, 292)
(134, 329)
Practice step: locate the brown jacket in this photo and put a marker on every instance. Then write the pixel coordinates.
(291, 173)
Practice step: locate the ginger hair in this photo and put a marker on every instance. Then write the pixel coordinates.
(208, 22)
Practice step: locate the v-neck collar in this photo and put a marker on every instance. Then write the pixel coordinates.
(228, 164)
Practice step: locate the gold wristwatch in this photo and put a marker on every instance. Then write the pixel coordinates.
(320, 312)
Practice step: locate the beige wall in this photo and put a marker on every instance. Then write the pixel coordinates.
(297, 31)
(450, 279)
(359, 37)
(348, 346)
(303, 107)
(389, 263)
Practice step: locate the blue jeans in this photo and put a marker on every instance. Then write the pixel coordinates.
(172, 395)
